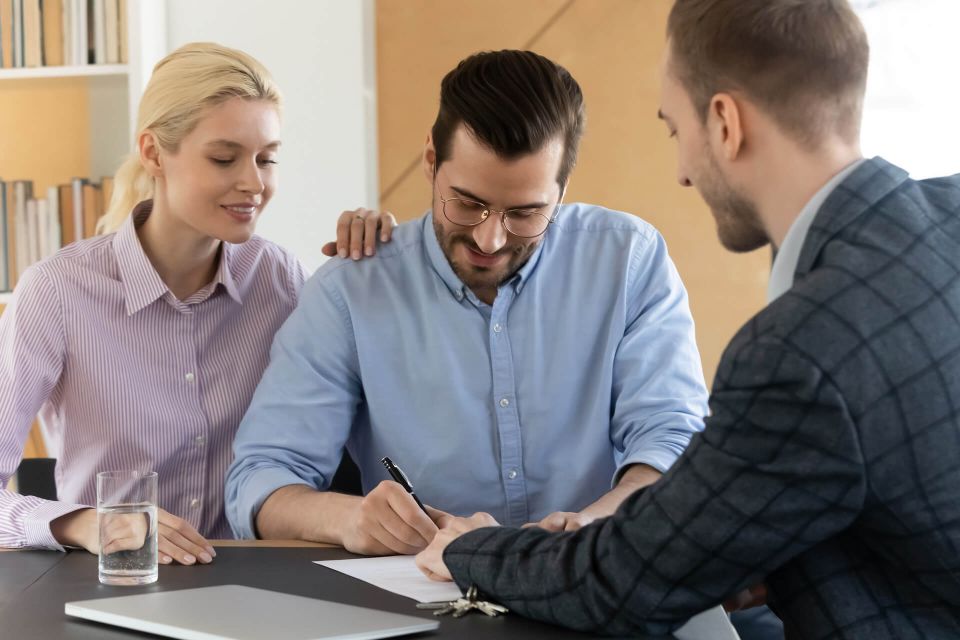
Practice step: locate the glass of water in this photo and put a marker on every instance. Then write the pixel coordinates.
(127, 516)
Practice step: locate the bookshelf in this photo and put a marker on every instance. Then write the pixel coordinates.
(59, 122)
(82, 71)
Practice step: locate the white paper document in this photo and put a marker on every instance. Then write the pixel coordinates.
(397, 574)
(712, 624)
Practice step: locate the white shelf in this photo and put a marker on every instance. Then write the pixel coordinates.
(80, 71)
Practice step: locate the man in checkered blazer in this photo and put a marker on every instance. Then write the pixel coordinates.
(828, 475)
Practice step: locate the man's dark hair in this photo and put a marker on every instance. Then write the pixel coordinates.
(803, 61)
(513, 102)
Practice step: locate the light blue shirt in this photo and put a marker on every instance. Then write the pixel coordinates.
(585, 363)
(785, 264)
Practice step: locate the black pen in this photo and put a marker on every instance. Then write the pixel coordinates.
(401, 478)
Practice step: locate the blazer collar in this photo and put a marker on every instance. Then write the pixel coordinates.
(869, 183)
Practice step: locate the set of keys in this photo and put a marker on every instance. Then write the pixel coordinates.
(464, 605)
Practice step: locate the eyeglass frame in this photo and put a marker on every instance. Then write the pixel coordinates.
(488, 211)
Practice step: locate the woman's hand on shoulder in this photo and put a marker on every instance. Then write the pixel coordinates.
(358, 231)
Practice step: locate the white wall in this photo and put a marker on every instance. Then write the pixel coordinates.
(912, 92)
(321, 54)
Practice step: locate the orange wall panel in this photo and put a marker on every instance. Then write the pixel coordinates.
(44, 131)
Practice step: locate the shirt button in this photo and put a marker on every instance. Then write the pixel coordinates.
(189, 377)
(459, 295)
(497, 328)
(195, 503)
(200, 440)
(504, 403)
(512, 474)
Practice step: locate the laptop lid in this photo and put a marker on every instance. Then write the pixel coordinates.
(234, 612)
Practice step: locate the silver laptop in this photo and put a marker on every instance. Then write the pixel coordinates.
(234, 612)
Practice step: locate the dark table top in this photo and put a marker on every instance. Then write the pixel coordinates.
(34, 585)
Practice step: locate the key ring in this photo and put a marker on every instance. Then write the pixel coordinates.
(461, 606)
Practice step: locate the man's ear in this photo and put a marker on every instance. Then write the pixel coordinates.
(725, 125)
(429, 159)
(149, 149)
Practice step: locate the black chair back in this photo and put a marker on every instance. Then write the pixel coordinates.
(35, 478)
(347, 477)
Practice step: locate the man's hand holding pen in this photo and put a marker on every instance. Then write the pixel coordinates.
(389, 521)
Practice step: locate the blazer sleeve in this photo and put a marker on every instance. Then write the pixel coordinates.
(777, 469)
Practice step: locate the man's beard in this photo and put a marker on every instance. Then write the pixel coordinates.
(738, 222)
(481, 277)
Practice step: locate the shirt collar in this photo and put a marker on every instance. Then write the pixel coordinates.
(443, 269)
(224, 275)
(141, 283)
(785, 264)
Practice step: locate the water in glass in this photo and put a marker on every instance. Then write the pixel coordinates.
(128, 538)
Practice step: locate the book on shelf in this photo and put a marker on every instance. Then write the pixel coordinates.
(92, 209)
(10, 256)
(52, 234)
(111, 19)
(76, 186)
(22, 191)
(6, 33)
(33, 228)
(78, 30)
(91, 7)
(32, 223)
(122, 45)
(4, 279)
(68, 232)
(97, 32)
(53, 32)
(35, 33)
(32, 33)
(16, 33)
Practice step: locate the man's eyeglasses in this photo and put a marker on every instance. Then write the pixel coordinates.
(523, 223)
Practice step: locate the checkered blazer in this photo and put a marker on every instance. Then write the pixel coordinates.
(829, 468)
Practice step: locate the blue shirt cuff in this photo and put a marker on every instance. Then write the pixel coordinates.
(259, 486)
(660, 458)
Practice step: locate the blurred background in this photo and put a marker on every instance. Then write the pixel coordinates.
(361, 81)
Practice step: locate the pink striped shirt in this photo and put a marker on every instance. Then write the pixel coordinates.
(125, 376)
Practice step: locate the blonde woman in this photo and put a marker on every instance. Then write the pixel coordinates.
(141, 347)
